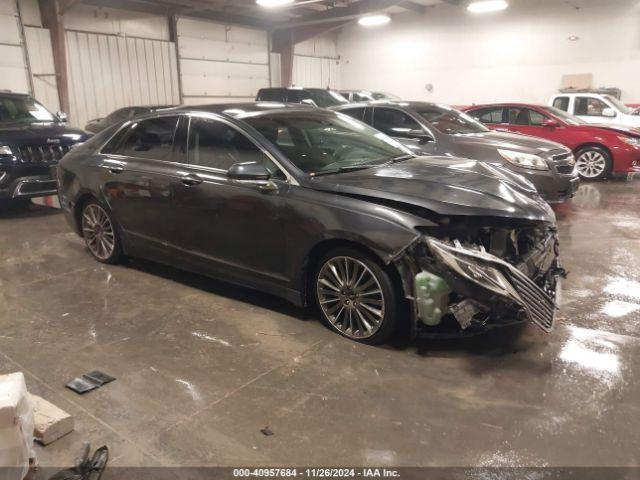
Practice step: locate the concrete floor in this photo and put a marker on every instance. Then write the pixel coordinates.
(202, 366)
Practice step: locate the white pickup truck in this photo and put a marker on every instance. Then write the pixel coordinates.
(596, 108)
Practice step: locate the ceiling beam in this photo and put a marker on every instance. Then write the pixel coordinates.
(456, 3)
(412, 6)
(353, 10)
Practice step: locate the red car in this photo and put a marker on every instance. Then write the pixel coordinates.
(600, 150)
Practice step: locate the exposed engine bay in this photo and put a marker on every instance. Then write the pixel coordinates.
(468, 279)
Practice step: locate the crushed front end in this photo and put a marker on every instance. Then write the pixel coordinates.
(467, 279)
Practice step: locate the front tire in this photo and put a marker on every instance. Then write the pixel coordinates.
(593, 163)
(100, 234)
(356, 296)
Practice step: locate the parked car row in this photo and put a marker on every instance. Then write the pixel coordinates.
(385, 214)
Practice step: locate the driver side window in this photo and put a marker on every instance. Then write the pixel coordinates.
(394, 123)
(215, 144)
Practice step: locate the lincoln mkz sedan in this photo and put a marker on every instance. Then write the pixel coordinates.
(320, 209)
(433, 129)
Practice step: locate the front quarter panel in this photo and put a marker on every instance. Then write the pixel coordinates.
(313, 217)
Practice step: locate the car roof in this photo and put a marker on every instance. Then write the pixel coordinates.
(236, 109)
(505, 104)
(7, 93)
(395, 103)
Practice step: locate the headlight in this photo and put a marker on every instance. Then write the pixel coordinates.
(464, 263)
(525, 160)
(633, 141)
(4, 150)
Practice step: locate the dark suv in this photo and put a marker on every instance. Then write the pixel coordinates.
(32, 139)
(317, 97)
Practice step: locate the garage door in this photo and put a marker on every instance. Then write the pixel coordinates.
(107, 72)
(221, 62)
(14, 75)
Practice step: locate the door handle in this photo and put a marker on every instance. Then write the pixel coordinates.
(191, 180)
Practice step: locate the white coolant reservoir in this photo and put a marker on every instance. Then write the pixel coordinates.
(16, 427)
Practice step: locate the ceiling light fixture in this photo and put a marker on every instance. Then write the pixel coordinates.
(273, 3)
(374, 20)
(486, 6)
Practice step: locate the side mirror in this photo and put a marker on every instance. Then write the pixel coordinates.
(421, 135)
(609, 112)
(550, 123)
(62, 117)
(248, 171)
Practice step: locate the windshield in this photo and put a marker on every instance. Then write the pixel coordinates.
(570, 119)
(618, 104)
(326, 98)
(23, 110)
(450, 121)
(317, 142)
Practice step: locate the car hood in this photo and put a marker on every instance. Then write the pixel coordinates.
(624, 129)
(507, 141)
(40, 133)
(442, 185)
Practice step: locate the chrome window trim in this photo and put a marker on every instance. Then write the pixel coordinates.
(290, 179)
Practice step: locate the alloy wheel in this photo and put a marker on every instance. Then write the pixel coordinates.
(350, 297)
(591, 164)
(98, 232)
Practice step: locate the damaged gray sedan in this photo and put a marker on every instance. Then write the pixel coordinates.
(320, 209)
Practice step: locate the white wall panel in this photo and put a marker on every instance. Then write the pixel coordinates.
(107, 72)
(316, 63)
(517, 55)
(88, 18)
(30, 13)
(13, 69)
(43, 77)
(221, 62)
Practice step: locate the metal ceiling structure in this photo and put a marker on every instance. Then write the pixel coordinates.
(247, 12)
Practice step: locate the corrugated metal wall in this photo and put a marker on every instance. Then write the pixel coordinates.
(221, 62)
(108, 71)
(316, 63)
(13, 66)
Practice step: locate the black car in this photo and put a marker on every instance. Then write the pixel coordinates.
(434, 129)
(316, 97)
(120, 115)
(318, 208)
(31, 140)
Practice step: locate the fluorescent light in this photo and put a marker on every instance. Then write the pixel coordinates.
(485, 6)
(373, 20)
(273, 3)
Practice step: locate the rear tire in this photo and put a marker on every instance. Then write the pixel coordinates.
(593, 163)
(356, 296)
(100, 233)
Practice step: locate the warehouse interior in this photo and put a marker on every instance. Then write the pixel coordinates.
(212, 374)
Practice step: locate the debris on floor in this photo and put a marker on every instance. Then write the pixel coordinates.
(51, 422)
(85, 467)
(266, 431)
(16, 427)
(89, 381)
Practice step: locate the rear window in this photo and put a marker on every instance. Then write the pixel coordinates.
(488, 115)
(561, 103)
(271, 96)
(151, 138)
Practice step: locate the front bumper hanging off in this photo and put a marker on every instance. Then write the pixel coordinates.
(484, 290)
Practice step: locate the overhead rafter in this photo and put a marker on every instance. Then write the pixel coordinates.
(351, 11)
